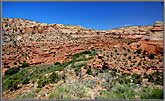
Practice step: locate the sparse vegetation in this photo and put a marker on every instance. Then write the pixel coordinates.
(25, 64)
(12, 71)
(89, 71)
(151, 56)
(152, 93)
(57, 63)
(138, 51)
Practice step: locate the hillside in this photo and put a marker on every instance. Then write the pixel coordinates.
(46, 61)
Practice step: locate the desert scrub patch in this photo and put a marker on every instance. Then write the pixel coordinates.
(42, 82)
(119, 91)
(156, 77)
(72, 91)
(12, 71)
(53, 78)
(24, 64)
(60, 93)
(75, 56)
(28, 95)
(124, 78)
(11, 82)
(81, 56)
(151, 93)
(26, 81)
(10, 85)
(89, 71)
(57, 63)
(136, 78)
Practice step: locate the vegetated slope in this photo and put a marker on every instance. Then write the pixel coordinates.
(45, 61)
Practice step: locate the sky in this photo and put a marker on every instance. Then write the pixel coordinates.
(95, 15)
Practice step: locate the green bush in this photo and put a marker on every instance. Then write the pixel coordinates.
(156, 77)
(10, 85)
(89, 71)
(42, 82)
(12, 71)
(75, 56)
(136, 78)
(152, 93)
(57, 63)
(77, 71)
(138, 51)
(54, 77)
(151, 56)
(128, 50)
(25, 81)
(119, 91)
(25, 64)
(105, 66)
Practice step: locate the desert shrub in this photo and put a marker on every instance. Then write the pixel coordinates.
(26, 81)
(136, 78)
(129, 57)
(156, 77)
(15, 63)
(113, 73)
(54, 77)
(124, 48)
(105, 66)
(128, 50)
(25, 64)
(151, 56)
(139, 63)
(57, 63)
(138, 51)
(144, 52)
(58, 94)
(63, 92)
(28, 95)
(119, 91)
(89, 71)
(11, 82)
(77, 71)
(6, 66)
(42, 82)
(12, 71)
(138, 46)
(115, 50)
(152, 93)
(125, 54)
(123, 79)
(81, 53)
(10, 85)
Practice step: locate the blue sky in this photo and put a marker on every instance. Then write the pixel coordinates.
(95, 15)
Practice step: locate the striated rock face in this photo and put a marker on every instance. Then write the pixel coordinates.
(152, 47)
(154, 32)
